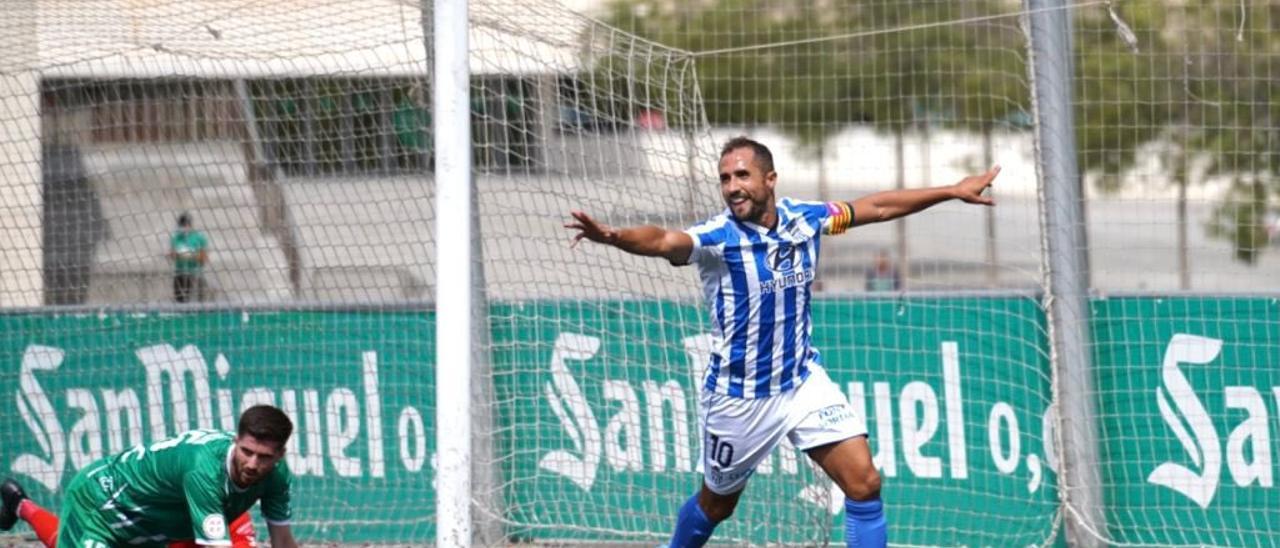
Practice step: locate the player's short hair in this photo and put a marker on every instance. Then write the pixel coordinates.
(764, 157)
(265, 423)
(184, 219)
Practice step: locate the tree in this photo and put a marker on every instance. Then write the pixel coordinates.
(853, 62)
(1190, 85)
(1201, 84)
(957, 74)
(1233, 110)
(1123, 98)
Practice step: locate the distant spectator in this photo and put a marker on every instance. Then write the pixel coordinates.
(651, 119)
(883, 275)
(188, 251)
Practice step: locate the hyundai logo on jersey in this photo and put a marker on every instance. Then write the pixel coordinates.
(782, 258)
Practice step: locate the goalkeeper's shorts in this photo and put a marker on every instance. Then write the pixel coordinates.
(738, 433)
(80, 524)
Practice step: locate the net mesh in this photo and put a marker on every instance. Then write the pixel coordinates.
(299, 164)
(1176, 133)
(296, 138)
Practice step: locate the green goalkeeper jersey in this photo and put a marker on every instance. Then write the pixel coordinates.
(174, 489)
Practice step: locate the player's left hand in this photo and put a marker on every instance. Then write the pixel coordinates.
(590, 229)
(970, 188)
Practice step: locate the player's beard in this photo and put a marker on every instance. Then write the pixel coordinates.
(751, 211)
(243, 476)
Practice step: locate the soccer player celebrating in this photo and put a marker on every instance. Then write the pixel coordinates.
(176, 492)
(757, 261)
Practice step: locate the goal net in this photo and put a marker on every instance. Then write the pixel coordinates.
(293, 140)
(1177, 134)
(206, 205)
(932, 325)
(218, 205)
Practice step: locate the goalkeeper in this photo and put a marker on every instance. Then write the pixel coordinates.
(174, 492)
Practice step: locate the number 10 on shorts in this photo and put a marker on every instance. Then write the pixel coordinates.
(720, 452)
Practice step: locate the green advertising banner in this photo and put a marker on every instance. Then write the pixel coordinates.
(604, 440)
(595, 409)
(356, 384)
(1189, 394)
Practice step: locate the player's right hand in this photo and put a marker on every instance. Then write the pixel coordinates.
(590, 229)
(970, 189)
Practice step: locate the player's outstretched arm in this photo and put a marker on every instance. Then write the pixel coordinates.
(281, 536)
(892, 204)
(648, 240)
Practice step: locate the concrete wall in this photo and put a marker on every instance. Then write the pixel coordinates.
(142, 189)
(372, 238)
(214, 38)
(20, 238)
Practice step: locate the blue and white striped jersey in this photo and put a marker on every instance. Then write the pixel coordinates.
(756, 283)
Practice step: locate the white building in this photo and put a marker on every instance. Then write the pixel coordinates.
(158, 106)
(162, 107)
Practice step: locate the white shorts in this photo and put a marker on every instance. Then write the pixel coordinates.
(738, 433)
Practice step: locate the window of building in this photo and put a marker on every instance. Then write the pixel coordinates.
(140, 110)
(314, 126)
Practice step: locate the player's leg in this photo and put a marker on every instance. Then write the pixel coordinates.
(79, 529)
(699, 516)
(737, 435)
(76, 533)
(16, 506)
(836, 439)
(82, 524)
(849, 464)
(43, 522)
(182, 288)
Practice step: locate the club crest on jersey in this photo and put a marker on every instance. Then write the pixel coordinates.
(782, 258)
(796, 230)
(215, 527)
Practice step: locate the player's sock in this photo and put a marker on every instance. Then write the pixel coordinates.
(42, 521)
(693, 527)
(864, 523)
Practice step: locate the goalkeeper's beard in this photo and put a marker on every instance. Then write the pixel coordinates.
(244, 477)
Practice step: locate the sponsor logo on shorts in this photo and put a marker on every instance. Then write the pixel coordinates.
(834, 414)
(214, 526)
(718, 476)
